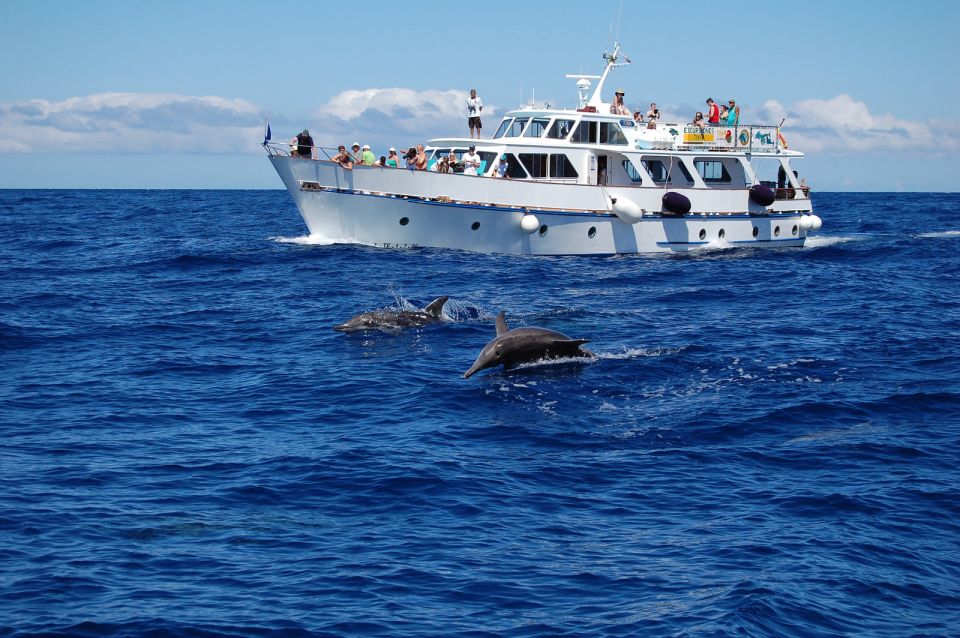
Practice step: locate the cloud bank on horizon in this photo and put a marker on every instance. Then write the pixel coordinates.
(172, 123)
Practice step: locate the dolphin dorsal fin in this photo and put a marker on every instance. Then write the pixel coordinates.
(436, 306)
(502, 323)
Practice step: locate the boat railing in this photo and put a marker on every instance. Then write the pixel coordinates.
(749, 138)
(285, 149)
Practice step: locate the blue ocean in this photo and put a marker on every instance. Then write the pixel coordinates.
(767, 442)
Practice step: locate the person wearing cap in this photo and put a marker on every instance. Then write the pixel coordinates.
(617, 107)
(474, 107)
(302, 145)
(733, 113)
(471, 161)
(392, 160)
(367, 156)
(500, 170)
(356, 153)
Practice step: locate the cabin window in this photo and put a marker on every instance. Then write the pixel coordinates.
(504, 125)
(561, 168)
(632, 171)
(487, 159)
(610, 133)
(627, 123)
(536, 128)
(517, 127)
(560, 129)
(712, 171)
(514, 170)
(659, 171)
(535, 163)
(586, 133)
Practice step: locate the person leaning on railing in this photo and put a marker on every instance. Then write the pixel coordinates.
(343, 158)
(302, 145)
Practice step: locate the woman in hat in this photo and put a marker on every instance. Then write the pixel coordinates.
(617, 107)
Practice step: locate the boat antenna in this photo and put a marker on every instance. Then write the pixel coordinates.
(616, 36)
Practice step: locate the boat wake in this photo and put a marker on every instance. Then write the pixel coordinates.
(940, 235)
(314, 240)
(638, 353)
(823, 242)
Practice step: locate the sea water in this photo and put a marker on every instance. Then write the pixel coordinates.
(766, 443)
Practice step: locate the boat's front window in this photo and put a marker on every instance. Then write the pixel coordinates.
(517, 127)
(535, 163)
(560, 129)
(586, 133)
(561, 168)
(504, 125)
(610, 133)
(537, 127)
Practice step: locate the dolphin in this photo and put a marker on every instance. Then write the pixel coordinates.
(392, 320)
(521, 345)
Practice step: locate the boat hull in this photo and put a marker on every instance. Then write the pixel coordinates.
(342, 214)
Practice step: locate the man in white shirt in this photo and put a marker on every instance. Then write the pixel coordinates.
(471, 161)
(474, 107)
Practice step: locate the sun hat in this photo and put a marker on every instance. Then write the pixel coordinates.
(393, 150)
(357, 144)
(620, 92)
(503, 156)
(366, 147)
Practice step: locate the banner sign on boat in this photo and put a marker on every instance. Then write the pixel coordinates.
(747, 138)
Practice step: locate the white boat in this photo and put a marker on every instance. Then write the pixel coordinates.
(581, 182)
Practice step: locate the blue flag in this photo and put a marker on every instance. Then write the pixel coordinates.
(266, 136)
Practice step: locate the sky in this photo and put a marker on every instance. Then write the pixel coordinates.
(174, 94)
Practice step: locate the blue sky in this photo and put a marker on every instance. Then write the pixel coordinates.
(173, 94)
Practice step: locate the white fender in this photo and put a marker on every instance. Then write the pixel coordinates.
(627, 210)
(529, 223)
(806, 222)
(817, 222)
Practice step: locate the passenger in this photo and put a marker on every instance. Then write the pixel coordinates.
(653, 115)
(382, 162)
(343, 158)
(500, 168)
(411, 157)
(442, 165)
(302, 146)
(638, 117)
(356, 153)
(368, 157)
(474, 107)
(421, 159)
(455, 166)
(392, 160)
(733, 114)
(723, 114)
(617, 107)
(471, 161)
(713, 112)
(698, 120)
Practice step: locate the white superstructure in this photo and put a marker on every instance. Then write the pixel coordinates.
(578, 182)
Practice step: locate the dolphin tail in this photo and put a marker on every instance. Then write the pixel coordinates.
(502, 323)
(436, 306)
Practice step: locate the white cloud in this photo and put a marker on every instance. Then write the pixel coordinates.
(130, 123)
(845, 124)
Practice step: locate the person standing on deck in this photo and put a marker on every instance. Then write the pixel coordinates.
(733, 117)
(474, 107)
(713, 112)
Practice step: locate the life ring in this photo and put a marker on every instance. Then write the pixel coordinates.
(744, 137)
(783, 140)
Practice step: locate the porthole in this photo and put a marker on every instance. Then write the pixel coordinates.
(404, 221)
(703, 233)
(592, 232)
(722, 233)
(543, 230)
(776, 231)
(756, 231)
(475, 226)
(796, 229)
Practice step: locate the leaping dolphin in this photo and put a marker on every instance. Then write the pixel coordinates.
(522, 345)
(392, 320)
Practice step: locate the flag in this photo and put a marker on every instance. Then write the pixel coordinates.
(266, 134)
